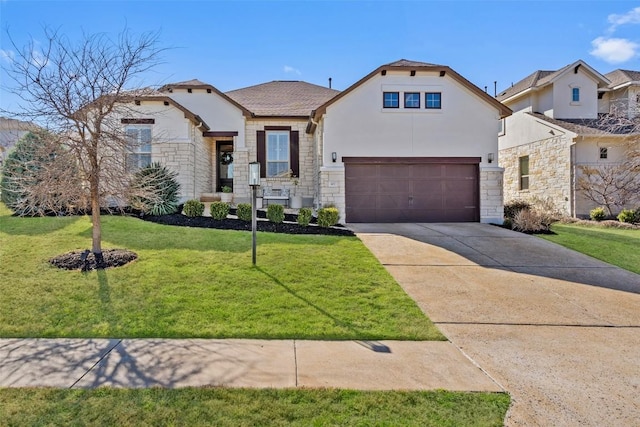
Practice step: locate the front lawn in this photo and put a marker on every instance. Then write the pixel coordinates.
(192, 282)
(244, 407)
(619, 247)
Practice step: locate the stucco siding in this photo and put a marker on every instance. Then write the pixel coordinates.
(564, 107)
(218, 113)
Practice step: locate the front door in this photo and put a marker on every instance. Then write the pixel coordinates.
(225, 165)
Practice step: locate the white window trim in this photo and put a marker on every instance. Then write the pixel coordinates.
(137, 150)
(267, 160)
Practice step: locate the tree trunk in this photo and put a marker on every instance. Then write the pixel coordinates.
(96, 229)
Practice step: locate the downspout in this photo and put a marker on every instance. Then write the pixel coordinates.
(316, 189)
(198, 126)
(573, 180)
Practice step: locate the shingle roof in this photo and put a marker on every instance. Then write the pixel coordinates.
(599, 126)
(409, 63)
(187, 83)
(537, 78)
(619, 77)
(282, 98)
(541, 78)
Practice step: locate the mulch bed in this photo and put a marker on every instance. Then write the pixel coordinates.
(86, 261)
(288, 226)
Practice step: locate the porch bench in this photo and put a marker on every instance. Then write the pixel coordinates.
(272, 194)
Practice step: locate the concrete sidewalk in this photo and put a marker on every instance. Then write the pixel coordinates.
(138, 363)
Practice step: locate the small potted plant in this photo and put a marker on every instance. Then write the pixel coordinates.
(227, 194)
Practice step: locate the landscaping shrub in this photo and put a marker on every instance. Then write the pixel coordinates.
(193, 208)
(512, 208)
(219, 210)
(275, 213)
(328, 216)
(40, 177)
(531, 221)
(155, 190)
(629, 216)
(304, 216)
(598, 214)
(244, 211)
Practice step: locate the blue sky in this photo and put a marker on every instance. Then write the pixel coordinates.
(241, 43)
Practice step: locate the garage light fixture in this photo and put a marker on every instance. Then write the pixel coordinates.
(334, 156)
(490, 158)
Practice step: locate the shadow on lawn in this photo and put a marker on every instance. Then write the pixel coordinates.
(34, 226)
(371, 345)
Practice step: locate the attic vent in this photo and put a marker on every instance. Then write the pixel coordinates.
(575, 70)
(442, 73)
(383, 72)
(189, 90)
(170, 90)
(208, 90)
(413, 73)
(137, 102)
(166, 102)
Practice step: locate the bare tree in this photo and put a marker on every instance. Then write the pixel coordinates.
(615, 185)
(79, 91)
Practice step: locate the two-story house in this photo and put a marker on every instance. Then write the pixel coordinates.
(557, 127)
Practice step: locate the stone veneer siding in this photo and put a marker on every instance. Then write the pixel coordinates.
(549, 172)
(307, 160)
(191, 159)
(491, 195)
(332, 189)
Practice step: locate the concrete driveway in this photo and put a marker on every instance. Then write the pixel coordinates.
(559, 330)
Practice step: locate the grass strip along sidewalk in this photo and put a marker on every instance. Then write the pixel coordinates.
(248, 407)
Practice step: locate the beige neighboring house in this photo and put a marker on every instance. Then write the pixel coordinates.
(11, 130)
(557, 127)
(389, 148)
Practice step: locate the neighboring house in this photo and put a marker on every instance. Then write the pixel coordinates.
(410, 141)
(557, 127)
(11, 130)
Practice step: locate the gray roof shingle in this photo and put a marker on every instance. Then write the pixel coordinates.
(282, 98)
(603, 125)
(619, 77)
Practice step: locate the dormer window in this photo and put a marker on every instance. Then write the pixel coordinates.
(575, 94)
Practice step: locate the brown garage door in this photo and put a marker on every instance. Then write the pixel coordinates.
(412, 189)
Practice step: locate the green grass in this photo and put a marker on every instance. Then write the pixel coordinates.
(191, 282)
(244, 407)
(619, 247)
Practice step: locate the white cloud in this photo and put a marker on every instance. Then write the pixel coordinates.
(631, 17)
(613, 50)
(7, 55)
(288, 69)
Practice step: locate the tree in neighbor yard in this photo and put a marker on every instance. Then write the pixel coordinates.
(79, 91)
(615, 185)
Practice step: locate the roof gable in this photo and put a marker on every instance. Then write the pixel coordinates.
(542, 78)
(412, 66)
(282, 98)
(151, 95)
(198, 84)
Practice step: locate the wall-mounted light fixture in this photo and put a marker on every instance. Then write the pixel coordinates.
(490, 158)
(334, 156)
